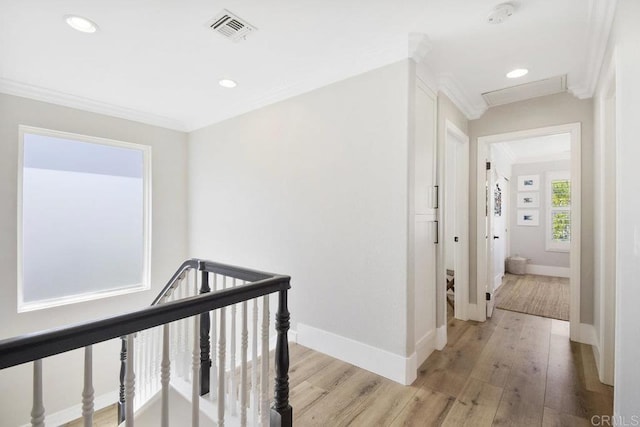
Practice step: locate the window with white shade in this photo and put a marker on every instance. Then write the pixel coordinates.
(558, 230)
(83, 218)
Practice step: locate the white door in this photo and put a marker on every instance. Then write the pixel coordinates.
(489, 194)
(499, 238)
(455, 216)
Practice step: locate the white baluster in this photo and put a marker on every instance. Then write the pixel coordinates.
(222, 350)
(136, 367)
(234, 384)
(145, 368)
(195, 377)
(243, 368)
(175, 331)
(129, 381)
(264, 373)
(181, 337)
(87, 392)
(186, 329)
(153, 361)
(255, 389)
(233, 396)
(214, 340)
(165, 375)
(37, 411)
(157, 352)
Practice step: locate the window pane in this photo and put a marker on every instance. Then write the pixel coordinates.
(84, 218)
(561, 222)
(560, 193)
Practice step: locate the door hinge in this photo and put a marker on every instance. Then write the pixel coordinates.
(437, 196)
(488, 296)
(488, 166)
(437, 232)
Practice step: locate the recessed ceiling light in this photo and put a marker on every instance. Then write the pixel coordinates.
(518, 72)
(228, 83)
(81, 24)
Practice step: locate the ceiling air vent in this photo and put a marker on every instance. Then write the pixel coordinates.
(526, 91)
(230, 26)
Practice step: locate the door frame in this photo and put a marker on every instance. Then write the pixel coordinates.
(605, 220)
(482, 253)
(454, 135)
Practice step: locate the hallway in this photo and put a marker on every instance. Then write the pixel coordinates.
(514, 369)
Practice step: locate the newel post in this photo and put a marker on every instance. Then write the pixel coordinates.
(205, 329)
(281, 412)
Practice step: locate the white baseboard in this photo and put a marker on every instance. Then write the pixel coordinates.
(293, 336)
(397, 368)
(548, 270)
(441, 337)
(425, 346)
(497, 282)
(472, 310)
(74, 412)
(587, 335)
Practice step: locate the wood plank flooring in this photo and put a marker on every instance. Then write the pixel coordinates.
(513, 370)
(107, 417)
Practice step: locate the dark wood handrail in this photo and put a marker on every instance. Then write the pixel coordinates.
(240, 273)
(30, 347)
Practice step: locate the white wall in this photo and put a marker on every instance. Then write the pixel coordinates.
(63, 384)
(627, 352)
(540, 112)
(316, 187)
(530, 241)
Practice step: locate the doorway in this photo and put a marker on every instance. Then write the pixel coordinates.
(486, 181)
(455, 221)
(537, 231)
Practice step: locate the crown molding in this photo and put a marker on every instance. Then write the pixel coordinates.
(601, 16)
(419, 46)
(448, 85)
(11, 87)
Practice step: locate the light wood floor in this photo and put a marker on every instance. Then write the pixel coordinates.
(107, 417)
(513, 370)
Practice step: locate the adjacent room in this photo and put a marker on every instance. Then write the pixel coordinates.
(531, 225)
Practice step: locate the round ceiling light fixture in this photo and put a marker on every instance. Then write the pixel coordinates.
(501, 13)
(228, 83)
(81, 24)
(518, 72)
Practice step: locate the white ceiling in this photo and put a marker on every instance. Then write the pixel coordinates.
(531, 150)
(156, 61)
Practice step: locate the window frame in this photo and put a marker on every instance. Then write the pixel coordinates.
(552, 245)
(114, 290)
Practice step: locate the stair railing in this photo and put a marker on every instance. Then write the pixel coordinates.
(253, 285)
